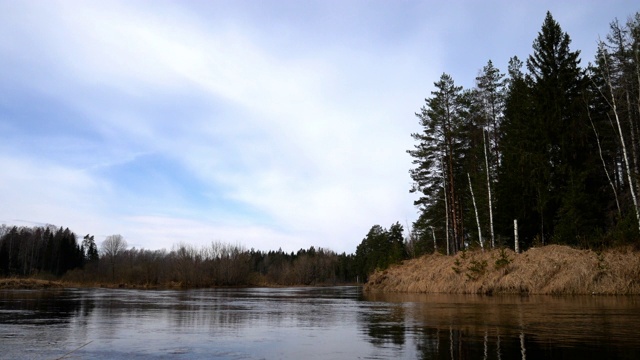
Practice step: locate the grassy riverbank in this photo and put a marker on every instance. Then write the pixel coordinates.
(548, 270)
(20, 283)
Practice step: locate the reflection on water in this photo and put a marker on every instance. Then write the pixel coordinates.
(312, 323)
(534, 327)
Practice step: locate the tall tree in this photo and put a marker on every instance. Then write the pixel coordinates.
(438, 154)
(549, 150)
(490, 98)
(616, 76)
(90, 248)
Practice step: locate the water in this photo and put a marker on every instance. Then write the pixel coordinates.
(312, 323)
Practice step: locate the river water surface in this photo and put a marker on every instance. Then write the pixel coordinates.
(312, 323)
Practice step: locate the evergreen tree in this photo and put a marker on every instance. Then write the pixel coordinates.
(90, 248)
(379, 249)
(438, 175)
(548, 147)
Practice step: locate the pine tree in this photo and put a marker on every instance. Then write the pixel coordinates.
(438, 159)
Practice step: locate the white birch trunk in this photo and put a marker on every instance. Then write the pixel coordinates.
(486, 163)
(516, 246)
(475, 208)
(624, 148)
(604, 164)
(632, 132)
(446, 207)
(435, 245)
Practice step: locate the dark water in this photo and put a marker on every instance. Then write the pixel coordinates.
(312, 323)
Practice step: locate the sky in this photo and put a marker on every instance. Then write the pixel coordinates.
(265, 124)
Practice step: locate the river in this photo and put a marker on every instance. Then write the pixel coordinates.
(312, 323)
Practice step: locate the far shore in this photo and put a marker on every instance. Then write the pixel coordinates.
(15, 283)
(548, 270)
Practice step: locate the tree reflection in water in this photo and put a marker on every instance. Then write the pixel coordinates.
(474, 327)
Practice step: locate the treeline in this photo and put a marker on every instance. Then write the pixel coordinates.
(551, 145)
(56, 252)
(380, 249)
(218, 264)
(32, 251)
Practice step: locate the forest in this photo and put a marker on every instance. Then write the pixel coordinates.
(54, 253)
(548, 152)
(550, 148)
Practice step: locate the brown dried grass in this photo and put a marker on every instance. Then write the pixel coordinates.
(18, 283)
(547, 270)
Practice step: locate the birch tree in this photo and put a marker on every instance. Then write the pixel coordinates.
(490, 85)
(614, 108)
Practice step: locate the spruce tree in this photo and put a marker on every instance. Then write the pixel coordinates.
(550, 154)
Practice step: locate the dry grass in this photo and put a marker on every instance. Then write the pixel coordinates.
(17, 283)
(548, 270)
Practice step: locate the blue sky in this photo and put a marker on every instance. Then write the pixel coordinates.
(270, 124)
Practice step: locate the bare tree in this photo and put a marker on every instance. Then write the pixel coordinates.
(614, 107)
(111, 248)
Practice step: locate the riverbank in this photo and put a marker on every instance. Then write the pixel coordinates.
(32, 283)
(19, 283)
(549, 270)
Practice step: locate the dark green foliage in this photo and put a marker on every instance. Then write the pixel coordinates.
(90, 249)
(439, 158)
(551, 178)
(379, 249)
(476, 269)
(457, 266)
(39, 250)
(503, 260)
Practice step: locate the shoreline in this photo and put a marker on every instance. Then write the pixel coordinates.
(17, 283)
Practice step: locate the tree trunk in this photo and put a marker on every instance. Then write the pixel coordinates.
(604, 164)
(486, 163)
(435, 244)
(516, 246)
(453, 203)
(624, 148)
(475, 209)
(632, 132)
(446, 208)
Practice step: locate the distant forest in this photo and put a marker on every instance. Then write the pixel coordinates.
(50, 252)
(550, 146)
